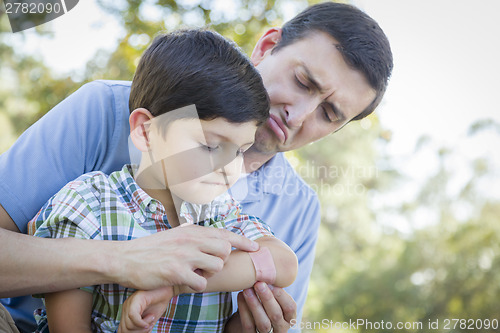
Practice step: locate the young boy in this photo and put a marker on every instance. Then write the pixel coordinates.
(190, 157)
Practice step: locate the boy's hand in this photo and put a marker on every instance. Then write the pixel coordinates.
(142, 309)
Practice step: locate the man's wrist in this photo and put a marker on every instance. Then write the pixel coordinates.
(109, 265)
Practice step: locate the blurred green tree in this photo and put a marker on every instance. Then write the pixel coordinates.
(27, 88)
(445, 268)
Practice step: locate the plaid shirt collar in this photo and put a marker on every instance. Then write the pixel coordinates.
(221, 208)
(125, 184)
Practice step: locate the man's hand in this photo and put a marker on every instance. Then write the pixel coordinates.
(175, 257)
(275, 310)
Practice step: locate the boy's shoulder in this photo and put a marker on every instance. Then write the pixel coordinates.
(94, 181)
(118, 181)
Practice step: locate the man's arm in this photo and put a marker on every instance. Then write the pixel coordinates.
(31, 265)
(36, 265)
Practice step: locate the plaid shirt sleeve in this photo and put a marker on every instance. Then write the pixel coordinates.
(72, 212)
(249, 226)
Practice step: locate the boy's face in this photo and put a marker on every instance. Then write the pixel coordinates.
(313, 91)
(199, 160)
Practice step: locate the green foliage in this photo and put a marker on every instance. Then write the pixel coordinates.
(27, 90)
(367, 270)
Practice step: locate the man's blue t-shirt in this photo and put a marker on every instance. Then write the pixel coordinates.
(89, 131)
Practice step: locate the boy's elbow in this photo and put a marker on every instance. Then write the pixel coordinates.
(286, 269)
(285, 261)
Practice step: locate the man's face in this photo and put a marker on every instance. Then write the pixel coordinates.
(313, 92)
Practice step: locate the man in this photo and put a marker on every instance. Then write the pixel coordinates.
(327, 66)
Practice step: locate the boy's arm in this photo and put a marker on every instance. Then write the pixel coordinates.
(143, 308)
(239, 271)
(69, 311)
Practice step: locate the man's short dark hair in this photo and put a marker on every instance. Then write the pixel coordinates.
(200, 67)
(362, 42)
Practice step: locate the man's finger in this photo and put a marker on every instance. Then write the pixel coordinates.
(287, 303)
(261, 319)
(195, 281)
(207, 263)
(237, 241)
(272, 306)
(246, 318)
(220, 248)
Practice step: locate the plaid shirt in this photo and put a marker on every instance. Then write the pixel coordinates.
(114, 207)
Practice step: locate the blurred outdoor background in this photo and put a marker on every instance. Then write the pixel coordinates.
(410, 196)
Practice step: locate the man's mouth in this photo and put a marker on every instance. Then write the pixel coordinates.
(278, 128)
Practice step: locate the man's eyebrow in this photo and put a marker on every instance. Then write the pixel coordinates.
(318, 88)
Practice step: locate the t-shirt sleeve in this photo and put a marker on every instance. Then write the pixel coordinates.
(71, 139)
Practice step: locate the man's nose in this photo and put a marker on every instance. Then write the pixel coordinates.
(298, 112)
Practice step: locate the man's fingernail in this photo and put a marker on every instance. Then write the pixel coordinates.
(248, 292)
(270, 286)
(261, 287)
(255, 245)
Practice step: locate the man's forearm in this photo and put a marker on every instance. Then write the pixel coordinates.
(36, 265)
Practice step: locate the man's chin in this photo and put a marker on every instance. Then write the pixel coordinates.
(267, 143)
(266, 148)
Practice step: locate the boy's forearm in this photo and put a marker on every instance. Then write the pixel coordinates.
(69, 311)
(239, 271)
(36, 265)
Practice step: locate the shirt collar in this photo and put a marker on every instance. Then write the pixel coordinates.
(125, 181)
(221, 208)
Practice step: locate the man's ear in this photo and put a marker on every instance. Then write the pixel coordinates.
(140, 120)
(265, 44)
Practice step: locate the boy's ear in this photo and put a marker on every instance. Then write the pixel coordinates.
(265, 44)
(139, 128)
